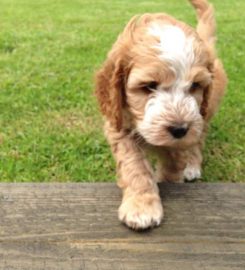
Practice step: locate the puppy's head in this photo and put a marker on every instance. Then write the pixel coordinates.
(160, 73)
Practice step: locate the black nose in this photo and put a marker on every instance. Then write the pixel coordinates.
(177, 132)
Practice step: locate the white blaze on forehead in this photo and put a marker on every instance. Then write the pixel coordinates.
(174, 46)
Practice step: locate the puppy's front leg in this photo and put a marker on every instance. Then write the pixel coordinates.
(141, 206)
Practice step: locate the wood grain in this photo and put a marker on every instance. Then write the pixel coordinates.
(75, 226)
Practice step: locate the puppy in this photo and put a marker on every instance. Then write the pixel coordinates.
(158, 88)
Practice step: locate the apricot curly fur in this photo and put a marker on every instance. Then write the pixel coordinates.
(160, 76)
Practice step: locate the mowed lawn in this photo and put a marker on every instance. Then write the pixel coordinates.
(50, 127)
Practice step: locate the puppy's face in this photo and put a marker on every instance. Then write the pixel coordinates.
(166, 85)
(158, 71)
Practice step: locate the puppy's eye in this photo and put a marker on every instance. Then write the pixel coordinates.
(151, 86)
(195, 86)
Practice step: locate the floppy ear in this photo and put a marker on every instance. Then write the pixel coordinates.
(214, 93)
(110, 90)
(112, 77)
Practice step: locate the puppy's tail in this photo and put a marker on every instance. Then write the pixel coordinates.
(206, 26)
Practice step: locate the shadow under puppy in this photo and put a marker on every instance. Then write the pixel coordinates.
(158, 88)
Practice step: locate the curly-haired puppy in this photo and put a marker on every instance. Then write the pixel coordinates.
(158, 88)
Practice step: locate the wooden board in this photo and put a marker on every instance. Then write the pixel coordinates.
(75, 226)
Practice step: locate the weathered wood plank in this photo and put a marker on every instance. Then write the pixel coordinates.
(75, 226)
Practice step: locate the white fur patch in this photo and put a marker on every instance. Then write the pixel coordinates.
(176, 102)
(192, 172)
(174, 46)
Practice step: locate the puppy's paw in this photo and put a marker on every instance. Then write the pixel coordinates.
(192, 172)
(140, 212)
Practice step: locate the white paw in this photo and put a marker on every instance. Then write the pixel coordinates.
(192, 172)
(141, 211)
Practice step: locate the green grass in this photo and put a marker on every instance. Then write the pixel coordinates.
(50, 127)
